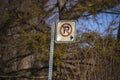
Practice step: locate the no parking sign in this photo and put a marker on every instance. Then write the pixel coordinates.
(65, 31)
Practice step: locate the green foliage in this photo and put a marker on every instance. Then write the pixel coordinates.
(35, 41)
(90, 37)
(60, 51)
(95, 59)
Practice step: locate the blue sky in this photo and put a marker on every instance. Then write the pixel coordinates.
(99, 23)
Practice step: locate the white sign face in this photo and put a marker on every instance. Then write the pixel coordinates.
(65, 31)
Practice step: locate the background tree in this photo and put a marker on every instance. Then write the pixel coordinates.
(25, 41)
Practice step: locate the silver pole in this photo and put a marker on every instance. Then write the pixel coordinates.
(51, 52)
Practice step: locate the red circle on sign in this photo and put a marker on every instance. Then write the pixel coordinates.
(63, 27)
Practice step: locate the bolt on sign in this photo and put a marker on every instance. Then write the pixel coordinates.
(65, 31)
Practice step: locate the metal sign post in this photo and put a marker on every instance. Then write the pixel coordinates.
(51, 52)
